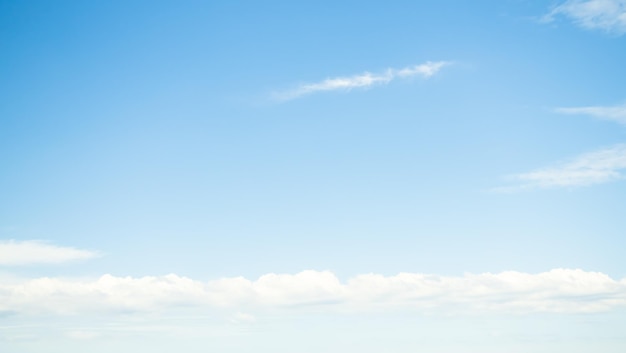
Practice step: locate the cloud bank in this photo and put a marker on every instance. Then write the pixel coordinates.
(613, 113)
(590, 168)
(363, 80)
(558, 291)
(16, 253)
(606, 15)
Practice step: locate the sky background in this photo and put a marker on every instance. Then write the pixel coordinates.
(447, 174)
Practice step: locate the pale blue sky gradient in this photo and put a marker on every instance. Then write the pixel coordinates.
(149, 132)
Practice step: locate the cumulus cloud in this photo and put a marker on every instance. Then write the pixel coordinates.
(590, 168)
(366, 79)
(559, 290)
(607, 15)
(614, 113)
(15, 253)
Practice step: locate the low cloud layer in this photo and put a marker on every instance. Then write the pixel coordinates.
(559, 291)
(597, 167)
(606, 15)
(18, 253)
(363, 80)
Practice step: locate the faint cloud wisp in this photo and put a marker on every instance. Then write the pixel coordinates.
(363, 80)
(606, 15)
(613, 113)
(16, 253)
(590, 168)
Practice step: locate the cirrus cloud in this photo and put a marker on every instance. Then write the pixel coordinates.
(607, 15)
(596, 167)
(367, 79)
(615, 113)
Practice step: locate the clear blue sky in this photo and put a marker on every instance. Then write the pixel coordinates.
(215, 140)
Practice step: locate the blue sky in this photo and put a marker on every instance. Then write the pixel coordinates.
(438, 176)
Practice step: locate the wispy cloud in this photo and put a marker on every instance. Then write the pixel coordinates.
(14, 253)
(607, 15)
(559, 290)
(366, 79)
(590, 168)
(614, 113)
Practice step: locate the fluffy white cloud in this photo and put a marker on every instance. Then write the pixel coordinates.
(607, 15)
(363, 80)
(614, 113)
(14, 253)
(559, 290)
(590, 168)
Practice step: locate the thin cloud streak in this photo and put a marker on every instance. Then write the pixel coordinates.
(597, 167)
(557, 291)
(19, 253)
(606, 15)
(613, 113)
(366, 79)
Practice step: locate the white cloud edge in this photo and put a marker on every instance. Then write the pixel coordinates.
(363, 80)
(33, 252)
(557, 291)
(606, 15)
(601, 166)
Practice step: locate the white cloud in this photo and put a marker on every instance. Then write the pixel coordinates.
(590, 168)
(559, 290)
(82, 334)
(614, 113)
(607, 15)
(363, 80)
(242, 318)
(14, 253)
